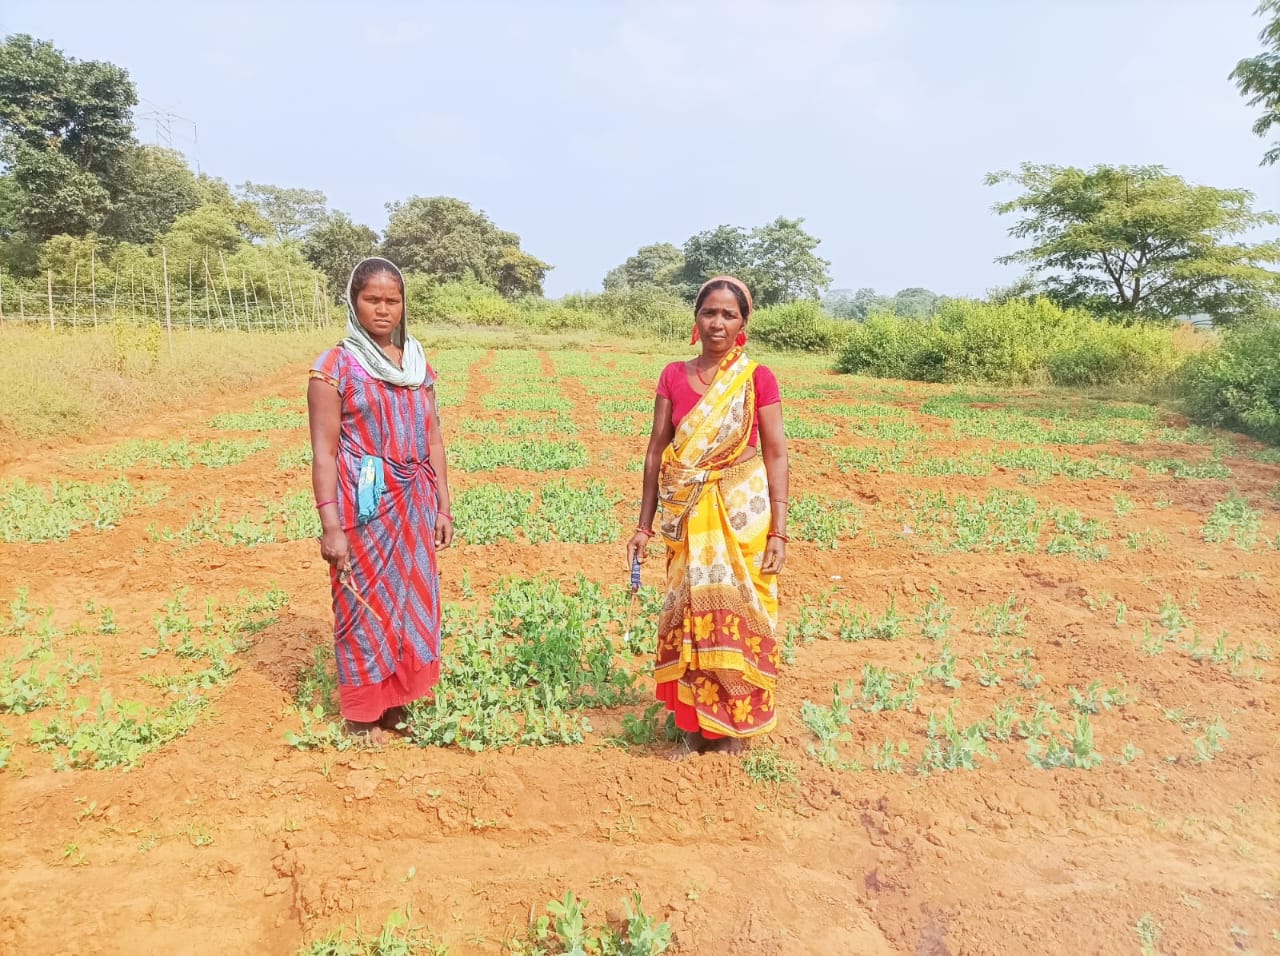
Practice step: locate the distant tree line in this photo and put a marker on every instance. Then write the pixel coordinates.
(80, 197)
(82, 200)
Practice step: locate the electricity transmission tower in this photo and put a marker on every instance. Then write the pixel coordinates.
(163, 121)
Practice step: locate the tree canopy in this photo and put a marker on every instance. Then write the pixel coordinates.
(158, 187)
(656, 266)
(1258, 77)
(778, 261)
(915, 302)
(445, 238)
(66, 130)
(1137, 242)
(785, 263)
(335, 245)
(292, 213)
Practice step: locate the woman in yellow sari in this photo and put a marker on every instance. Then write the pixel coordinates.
(717, 466)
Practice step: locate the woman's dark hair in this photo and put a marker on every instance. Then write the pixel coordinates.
(744, 308)
(370, 268)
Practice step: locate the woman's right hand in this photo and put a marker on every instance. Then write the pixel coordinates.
(636, 548)
(335, 549)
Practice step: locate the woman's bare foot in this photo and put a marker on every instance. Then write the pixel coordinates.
(366, 733)
(689, 743)
(733, 746)
(396, 720)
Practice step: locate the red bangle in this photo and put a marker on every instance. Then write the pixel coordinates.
(444, 514)
(779, 535)
(647, 532)
(321, 504)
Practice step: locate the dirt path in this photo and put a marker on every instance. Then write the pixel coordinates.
(227, 840)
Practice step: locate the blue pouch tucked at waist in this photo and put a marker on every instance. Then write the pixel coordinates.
(370, 488)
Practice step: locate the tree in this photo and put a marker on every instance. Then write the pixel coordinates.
(847, 304)
(1024, 288)
(55, 196)
(725, 250)
(653, 266)
(777, 261)
(159, 187)
(1259, 78)
(292, 213)
(785, 263)
(915, 303)
(519, 273)
(207, 229)
(445, 238)
(248, 221)
(18, 253)
(83, 109)
(67, 128)
(335, 245)
(1136, 242)
(65, 256)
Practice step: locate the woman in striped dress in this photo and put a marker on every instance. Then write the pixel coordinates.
(382, 491)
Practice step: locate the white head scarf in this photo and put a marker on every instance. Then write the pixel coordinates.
(412, 370)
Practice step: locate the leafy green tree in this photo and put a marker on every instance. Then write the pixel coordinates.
(292, 213)
(67, 129)
(519, 273)
(249, 223)
(207, 229)
(1136, 242)
(1258, 77)
(778, 261)
(447, 239)
(18, 253)
(915, 303)
(55, 196)
(64, 256)
(83, 109)
(786, 264)
(725, 250)
(653, 266)
(335, 245)
(158, 187)
(847, 304)
(1023, 288)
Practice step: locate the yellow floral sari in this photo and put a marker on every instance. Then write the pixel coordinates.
(717, 659)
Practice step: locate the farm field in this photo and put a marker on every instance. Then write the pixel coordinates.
(1029, 697)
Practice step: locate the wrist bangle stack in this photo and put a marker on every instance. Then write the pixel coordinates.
(444, 514)
(780, 536)
(321, 504)
(647, 532)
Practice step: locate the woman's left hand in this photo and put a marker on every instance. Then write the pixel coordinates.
(775, 556)
(444, 532)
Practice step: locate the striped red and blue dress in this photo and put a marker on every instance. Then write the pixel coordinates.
(388, 653)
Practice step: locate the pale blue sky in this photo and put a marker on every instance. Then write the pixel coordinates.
(591, 128)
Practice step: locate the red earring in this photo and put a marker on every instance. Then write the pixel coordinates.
(742, 338)
(694, 338)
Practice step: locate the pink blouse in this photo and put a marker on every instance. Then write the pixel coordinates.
(673, 384)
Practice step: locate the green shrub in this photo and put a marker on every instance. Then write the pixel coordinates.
(543, 316)
(1017, 342)
(1103, 353)
(633, 311)
(889, 346)
(462, 303)
(997, 343)
(420, 293)
(1237, 385)
(800, 326)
